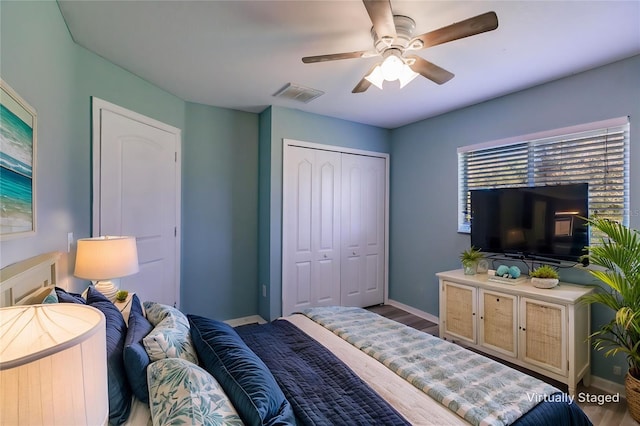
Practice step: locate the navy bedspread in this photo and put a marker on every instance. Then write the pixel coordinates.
(554, 413)
(321, 389)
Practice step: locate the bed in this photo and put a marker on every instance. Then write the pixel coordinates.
(330, 365)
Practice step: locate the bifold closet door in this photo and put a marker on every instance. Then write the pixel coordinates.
(311, 229)
(362, 230)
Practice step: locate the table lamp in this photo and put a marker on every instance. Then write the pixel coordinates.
(53, 367)
(104, 258)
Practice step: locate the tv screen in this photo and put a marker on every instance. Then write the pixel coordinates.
(543, 221)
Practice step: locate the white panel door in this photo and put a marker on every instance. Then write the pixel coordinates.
(138, 187)
(363, 230)
(311, 229)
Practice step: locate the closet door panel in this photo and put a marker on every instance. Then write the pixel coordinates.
(350, 276)
(302, 283)
(311, 229)
(372, 270)
(328, 232)
(363, 207)
(302, 210)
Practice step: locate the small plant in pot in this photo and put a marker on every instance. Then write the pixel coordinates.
(470, 259)
(619, 256)
(544, 276)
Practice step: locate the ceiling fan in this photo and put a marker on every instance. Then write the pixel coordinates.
(393, 40)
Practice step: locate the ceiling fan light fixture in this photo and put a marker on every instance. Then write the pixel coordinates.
(375, 77)
(406, 75)
(391, 67)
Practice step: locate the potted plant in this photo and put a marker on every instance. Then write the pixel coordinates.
(470, 259)
(544, 276)
(619, 255)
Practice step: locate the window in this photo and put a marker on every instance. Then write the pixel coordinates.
(596, 153)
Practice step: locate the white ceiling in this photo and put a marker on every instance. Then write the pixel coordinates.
(237, 54)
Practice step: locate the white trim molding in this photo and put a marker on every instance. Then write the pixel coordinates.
(608, 386)
(414, 311)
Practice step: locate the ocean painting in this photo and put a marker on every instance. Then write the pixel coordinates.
(17, 143)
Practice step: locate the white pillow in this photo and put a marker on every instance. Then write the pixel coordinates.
(183, 393)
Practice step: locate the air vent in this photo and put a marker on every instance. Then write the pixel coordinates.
(298, 93)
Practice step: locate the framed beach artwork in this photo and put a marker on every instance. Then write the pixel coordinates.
(17, 165)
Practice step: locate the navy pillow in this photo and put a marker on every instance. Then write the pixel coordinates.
(135, 356)
(246, 380)
(65, 297)
(119, 390)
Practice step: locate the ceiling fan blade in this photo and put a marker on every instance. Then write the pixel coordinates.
(363, 84)
(429, 70)
(335, 57)
(381, 17)
(472, 26)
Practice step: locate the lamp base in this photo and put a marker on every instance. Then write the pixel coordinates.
(107, 288)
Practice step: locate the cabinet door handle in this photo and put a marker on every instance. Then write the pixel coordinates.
(498, 299)
(481, 318)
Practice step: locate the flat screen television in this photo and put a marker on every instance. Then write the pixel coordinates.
(543, 222)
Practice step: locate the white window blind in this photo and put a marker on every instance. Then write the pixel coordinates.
(596, 153)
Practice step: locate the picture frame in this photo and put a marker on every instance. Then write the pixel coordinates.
(18, 141)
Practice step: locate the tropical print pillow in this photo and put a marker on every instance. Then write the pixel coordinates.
(170, 336)
(181, 393)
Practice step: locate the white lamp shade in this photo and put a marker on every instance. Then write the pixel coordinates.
(53, 365)
(104, 258)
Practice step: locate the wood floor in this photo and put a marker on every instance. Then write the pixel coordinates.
(600, 415)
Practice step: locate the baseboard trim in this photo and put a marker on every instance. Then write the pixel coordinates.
(608, 386)
(414, 311)
(252, 319)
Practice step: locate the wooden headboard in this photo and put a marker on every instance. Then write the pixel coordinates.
(22, 283)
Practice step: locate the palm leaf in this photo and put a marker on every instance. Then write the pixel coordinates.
(619, 255)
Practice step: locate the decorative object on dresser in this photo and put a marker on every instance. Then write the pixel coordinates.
(544, 331)
(53, 369)
(544, 276)
(619, 254)
(506, 275)
(470, 258)
(104, 258)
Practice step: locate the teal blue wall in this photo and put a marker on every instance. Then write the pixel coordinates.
(265, 305)
(220, 213)
(38, 62)
(424, 238)
(286, 123)
(57, 77)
